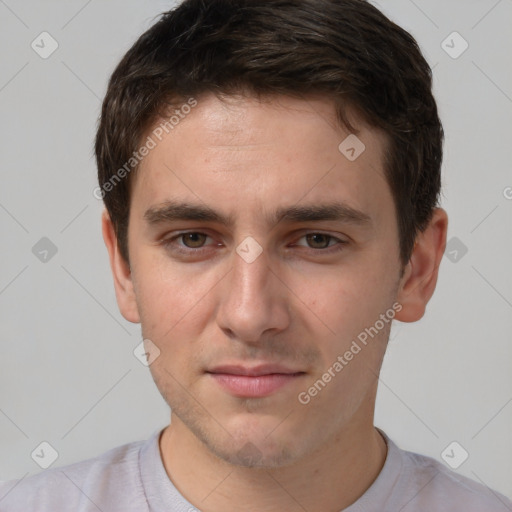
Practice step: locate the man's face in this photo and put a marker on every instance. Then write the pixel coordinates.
(316, 285)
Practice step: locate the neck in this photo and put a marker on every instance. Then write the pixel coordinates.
(331, 479)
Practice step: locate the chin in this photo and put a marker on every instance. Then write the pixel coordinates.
(248, 454)
(256, 444)
(246, 439)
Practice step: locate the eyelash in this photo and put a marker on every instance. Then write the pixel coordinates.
(170, 245)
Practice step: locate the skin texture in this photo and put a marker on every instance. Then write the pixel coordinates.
(296, 304)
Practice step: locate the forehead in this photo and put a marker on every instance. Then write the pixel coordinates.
(242, 153)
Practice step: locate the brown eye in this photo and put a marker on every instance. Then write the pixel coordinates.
(318, 240)
(321, 243)
(193, 240)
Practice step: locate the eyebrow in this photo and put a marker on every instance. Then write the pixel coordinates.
(170, 211)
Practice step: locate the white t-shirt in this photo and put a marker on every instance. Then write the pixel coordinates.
(132, 478)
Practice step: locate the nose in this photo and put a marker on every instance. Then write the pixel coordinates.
(253, 302)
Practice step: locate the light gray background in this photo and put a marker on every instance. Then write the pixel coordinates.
(67, 372)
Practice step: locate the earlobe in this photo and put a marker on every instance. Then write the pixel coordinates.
(121, 273)
(420, 276)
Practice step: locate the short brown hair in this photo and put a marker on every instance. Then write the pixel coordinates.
(345, 50)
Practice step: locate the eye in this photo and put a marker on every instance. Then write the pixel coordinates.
(194, 243)
(323, 241)
(191, 242)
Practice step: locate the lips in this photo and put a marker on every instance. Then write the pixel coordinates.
(254, 371)
(253, 382)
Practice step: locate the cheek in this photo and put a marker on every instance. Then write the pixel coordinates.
(174, 309)
(340, 301)
(343, 307)
(166, 293)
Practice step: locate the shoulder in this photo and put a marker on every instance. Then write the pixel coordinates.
(434, 486)
(112, 477)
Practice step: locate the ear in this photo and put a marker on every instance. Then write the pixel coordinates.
(121, 272)
(420, 274)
